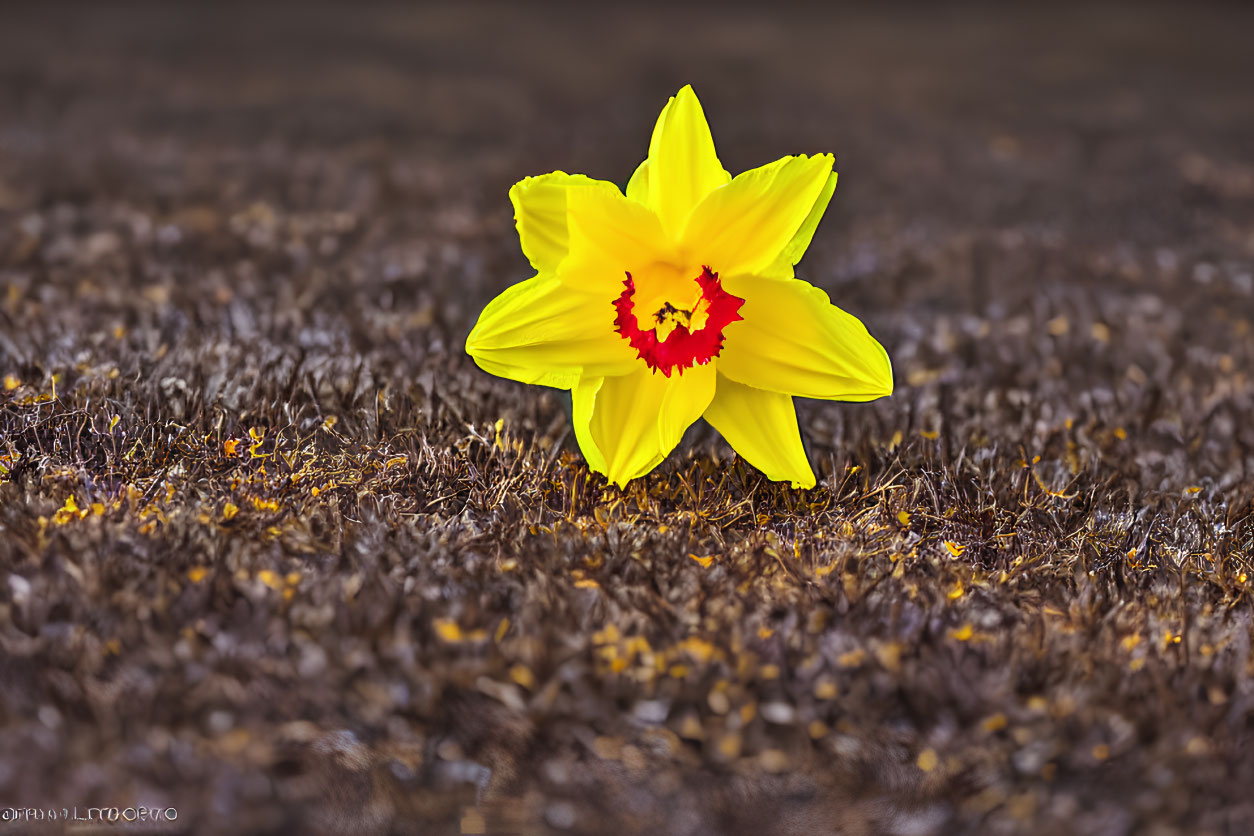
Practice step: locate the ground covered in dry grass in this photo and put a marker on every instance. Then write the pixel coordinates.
(275, 553)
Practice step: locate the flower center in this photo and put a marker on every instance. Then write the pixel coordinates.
(682, 332)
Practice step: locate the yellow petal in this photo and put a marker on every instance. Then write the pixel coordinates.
(682, 166)
(540, 214)
(793, 340)
(609, 237)
(583, 399)
(638, 185)
(762, 427)
(748, 224)
(541, 331)
(805, 234)
(634, 421)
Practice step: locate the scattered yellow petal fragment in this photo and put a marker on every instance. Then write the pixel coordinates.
(927, 760)
(447, 629)
(963, 634)
(729, 746)
(11, 383)
(229, 510)
(609, 635)
(851, 659)
(697, 647)
(994, 723)
(522, 675)
(955, 549)
(903, 517)
(229, 446)
(197, 574)
(69, 512)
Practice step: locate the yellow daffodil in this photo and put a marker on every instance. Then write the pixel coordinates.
(677, 301)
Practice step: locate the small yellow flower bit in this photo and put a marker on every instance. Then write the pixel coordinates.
(677, 301)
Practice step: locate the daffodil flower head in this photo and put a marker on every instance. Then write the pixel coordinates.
(678, 301)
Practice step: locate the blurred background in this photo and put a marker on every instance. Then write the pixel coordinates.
(1115, 134)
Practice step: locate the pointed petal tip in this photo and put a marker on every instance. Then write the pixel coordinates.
(885, 380)
(615, 476)
(473, 344)
(878, 382)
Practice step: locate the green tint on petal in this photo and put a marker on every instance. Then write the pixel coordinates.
(683, 166)
(762, 427)
(542, 332)
(540, 212)
(636, 420)
(793, 340)
(746, 226)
